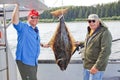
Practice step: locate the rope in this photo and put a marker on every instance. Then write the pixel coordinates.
(62, 7)
(55, 2)
(62, 10)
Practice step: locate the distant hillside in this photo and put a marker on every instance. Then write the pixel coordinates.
(110, 11)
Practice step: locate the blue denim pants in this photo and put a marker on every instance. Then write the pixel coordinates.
(88, 76)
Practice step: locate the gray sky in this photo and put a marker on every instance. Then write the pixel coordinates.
(58, 3)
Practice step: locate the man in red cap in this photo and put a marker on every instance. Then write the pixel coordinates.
(28, 46)
(33, 17)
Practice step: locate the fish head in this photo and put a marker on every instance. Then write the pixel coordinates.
(62, 64)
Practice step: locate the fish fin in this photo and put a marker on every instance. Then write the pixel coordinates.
(52, 40)
(59, 12)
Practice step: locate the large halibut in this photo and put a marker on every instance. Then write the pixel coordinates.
(62, 43)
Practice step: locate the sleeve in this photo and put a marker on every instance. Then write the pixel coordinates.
(18, 26)
(106, 42)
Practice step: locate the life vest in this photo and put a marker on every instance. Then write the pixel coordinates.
(0, 34)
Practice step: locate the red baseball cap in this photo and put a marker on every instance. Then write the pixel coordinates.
(33, 12)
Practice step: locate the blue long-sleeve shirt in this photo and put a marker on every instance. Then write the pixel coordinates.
(28, 46)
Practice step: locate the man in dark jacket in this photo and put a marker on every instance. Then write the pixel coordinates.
(97, 48)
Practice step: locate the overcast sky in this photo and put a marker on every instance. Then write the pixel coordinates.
(58, 3)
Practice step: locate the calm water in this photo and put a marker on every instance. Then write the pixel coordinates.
(77, 29)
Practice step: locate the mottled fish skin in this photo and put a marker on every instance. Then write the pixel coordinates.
(62, 45)
(62, 42)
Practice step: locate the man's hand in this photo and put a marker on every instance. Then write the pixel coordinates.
(76, 43)
(45, 45)
(93, 70)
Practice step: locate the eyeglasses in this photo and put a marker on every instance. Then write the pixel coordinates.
(89, 21)
(34, 17)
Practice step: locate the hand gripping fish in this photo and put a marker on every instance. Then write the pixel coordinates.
(62, 42)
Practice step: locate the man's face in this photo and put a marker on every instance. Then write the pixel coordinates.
(93, 24)
(33, 20)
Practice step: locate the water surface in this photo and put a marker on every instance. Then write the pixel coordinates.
(77, 29)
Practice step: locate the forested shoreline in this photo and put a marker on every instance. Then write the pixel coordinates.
(110, 11)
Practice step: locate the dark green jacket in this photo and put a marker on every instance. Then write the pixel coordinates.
(97, 49)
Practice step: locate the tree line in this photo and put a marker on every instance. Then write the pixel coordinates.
(105, 11)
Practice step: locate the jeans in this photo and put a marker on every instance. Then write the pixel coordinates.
(96, 76)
